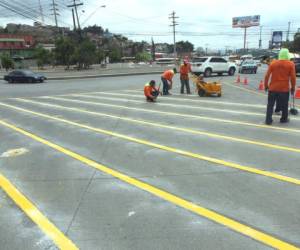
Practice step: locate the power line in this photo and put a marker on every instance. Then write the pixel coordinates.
(26, 11)
(15, 11)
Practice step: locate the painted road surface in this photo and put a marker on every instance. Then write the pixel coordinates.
(88, 164)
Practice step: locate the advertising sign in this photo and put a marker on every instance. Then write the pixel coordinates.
(245, 21)
(277, 39)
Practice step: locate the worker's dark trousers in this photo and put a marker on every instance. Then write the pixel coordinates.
(153, 93)
(282, 100)
(165, 86)
(185, 83)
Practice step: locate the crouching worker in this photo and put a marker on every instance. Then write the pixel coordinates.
(150, 91)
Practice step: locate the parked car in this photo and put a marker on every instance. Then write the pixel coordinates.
(211, 65)
(248, 66)
(297, 65)
(24, 76)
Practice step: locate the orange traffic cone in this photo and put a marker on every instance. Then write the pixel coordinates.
(238, 80)
(297, 93)
(261, 86)
(246, 81)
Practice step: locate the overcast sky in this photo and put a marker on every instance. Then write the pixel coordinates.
(207, 21)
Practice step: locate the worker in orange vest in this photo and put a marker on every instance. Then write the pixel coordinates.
(185, 69)
(150, 91)
(283, 81)
(167, 80)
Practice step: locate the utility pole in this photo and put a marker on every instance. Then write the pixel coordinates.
(260, 41)
(55, 12)
(75, 5)
(173, 18)
(41, 12)
(288, 32)
(226, 49)
(74, 22)
(206, 49)
(245, 37)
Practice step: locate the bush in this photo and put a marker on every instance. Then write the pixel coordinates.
(115, 55)
(143, 57)
(42, 56)
(7, 62)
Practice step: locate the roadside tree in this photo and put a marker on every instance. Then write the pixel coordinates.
(100, 56)
(115, 55)
(7, 62)
(184, 46)
(64, 51)
(85, 54)
(42, 56)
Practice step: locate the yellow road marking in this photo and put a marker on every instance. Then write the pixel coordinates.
(166, 148)
(35, 215)
(178, 114)
(171, 105)
(160, 125)
(197, 209)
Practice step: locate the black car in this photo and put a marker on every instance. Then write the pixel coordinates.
(24, 76)
(297, 65)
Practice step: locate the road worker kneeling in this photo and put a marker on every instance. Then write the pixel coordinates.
(150, 91)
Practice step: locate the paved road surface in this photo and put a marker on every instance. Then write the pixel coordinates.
(101, 169)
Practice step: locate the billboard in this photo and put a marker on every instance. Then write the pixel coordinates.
(277, 39)
(245, 21)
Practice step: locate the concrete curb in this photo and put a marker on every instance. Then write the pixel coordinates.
(103, 75)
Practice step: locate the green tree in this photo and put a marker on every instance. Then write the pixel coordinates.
(100, 55)
(200, 51)
(85, 54)
(64, 51)
(296, 43)
(42, 56)
(95, 29)
(7, 62)
(184, 46)
(293, 46)
(143, 57)
(115, 55)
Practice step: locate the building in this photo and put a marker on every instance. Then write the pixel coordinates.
(15, 42)
(16, 45)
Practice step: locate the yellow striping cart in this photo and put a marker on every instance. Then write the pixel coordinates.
(207, 88)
